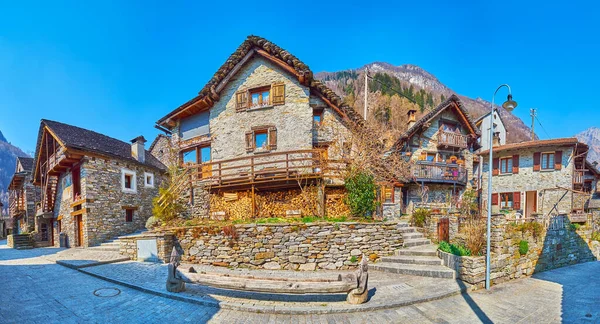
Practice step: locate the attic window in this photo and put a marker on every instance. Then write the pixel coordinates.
(266, 96)
(318, 117)
(260, 97)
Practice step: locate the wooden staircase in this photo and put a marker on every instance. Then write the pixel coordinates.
(417, 258)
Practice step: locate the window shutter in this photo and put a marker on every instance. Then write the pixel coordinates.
(241, 100)
(536, 161)
(278, 94)
(515, 169)
(557, 160)
(250, 141)
(495, 199)
(517, 200)
(272, 138)
(496, 166)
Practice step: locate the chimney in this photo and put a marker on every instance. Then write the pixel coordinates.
(412, 117)
(138, 151)
(496, 139)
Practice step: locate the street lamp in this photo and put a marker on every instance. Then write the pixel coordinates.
(509, 105)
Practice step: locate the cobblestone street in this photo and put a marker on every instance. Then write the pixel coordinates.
(36, 290)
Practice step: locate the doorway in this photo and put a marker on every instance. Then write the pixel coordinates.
(79, 225)
(530, 203)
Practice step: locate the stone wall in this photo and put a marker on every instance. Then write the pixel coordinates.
(288, 246)
(104, 201)
(550, 249)
(431, 226)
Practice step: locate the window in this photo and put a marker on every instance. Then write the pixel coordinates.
(547, 161)
(506, 165)
(196, 154)
(128, 181)
(189, 156)
(260, 97)
(261, 139)
(148, 180)
(506, 200)
(129, 215)
(388, 194)
(318, 117)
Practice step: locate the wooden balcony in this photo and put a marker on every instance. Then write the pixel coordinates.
(425, 171)
(268, 171)
(17, 205)
(451, 139)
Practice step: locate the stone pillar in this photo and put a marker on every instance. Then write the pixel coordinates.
(497, 233)
(453, 219)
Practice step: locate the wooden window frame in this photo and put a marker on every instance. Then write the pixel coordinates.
(198, 149)
(550, 167)
(269, 130)
(505, 197)
(504, 164)
(259, 91)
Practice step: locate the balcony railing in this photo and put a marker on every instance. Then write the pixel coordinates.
(17, 202)
(578, 177)
(439, 172)
(268, 170)
(452, 139)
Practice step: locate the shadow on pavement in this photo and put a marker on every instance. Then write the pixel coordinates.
(472, 304)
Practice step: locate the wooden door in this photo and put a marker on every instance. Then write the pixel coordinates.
(79, 222)
(444, 229)
(530, 203)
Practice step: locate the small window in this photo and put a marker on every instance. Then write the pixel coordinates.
(388, 194)
(506, 200)
(189, 156)
(547, 161)
(128, 181)
(260, 97)
(317, 117)
(129, 215)
(261, 139)
(148, 180)
(506, 165)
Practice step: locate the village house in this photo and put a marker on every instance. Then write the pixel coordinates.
(541, 178)
(23, 196)
(93, 187)
(261, 134)
(483, 123)
(439, 147)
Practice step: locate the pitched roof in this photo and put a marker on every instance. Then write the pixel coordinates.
(480, 119)
(156, 141)
(452, 101)
(568, 141)
(89, 141)
(26, 163)
(263, 47)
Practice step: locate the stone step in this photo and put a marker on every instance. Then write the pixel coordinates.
(403, 225)
(407, 230)
(408, 259)
(105, 248)
(425, 250)
(410, 236)
(433, 271)
(416, 242)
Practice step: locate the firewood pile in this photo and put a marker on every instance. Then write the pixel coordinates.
(335, 203)
(278, 203)
(235, 205)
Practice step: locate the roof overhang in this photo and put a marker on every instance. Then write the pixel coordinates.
(559, 142)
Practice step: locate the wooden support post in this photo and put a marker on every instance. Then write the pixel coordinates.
(253, 202)
(321, 200)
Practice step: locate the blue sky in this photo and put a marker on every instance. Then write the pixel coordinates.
(118, 66)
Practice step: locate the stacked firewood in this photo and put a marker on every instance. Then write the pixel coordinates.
(287, 203)
(235, 205)
(335, 203)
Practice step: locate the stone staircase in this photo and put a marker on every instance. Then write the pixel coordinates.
(417, 258)
(22, 242)
(112, 244)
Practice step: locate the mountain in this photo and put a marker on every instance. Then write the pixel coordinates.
(8, 160)
(591, 137)
(423, 88)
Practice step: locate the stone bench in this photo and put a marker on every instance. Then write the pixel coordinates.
(353, 284)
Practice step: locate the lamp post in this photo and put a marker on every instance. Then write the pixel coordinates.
(509, 105)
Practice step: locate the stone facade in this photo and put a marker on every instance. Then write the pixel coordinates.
(550, 249)
(288, 246)
(103, 201)
(552, 187)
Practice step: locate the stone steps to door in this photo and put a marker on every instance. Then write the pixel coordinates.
(412, 259)
(416, 242)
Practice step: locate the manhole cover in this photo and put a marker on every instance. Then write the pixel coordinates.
(107, 292)
(401, 287)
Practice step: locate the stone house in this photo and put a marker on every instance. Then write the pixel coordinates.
(94, 187)
(544, 177)
(260, 131)
(23, 196)
(483, 123)
(439, 147)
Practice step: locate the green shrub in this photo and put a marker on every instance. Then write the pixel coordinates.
(361, 194)
(596, 236)
(534, 228)
(454, 249)
(420, 217)
(523, 247)
(354, 259)
(574, 227)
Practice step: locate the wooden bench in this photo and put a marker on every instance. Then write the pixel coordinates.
(353, 284)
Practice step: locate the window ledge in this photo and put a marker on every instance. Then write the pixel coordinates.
(132, 191)
(261, 151)
(547, 170)
(260, 108)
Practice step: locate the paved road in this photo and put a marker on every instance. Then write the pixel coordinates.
(35, 290)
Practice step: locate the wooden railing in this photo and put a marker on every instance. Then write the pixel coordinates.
(267, 168)
(578, 177)
(452, 139)
(17, 202)
(439, 172)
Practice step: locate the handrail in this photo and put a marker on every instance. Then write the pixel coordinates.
(439, 171)
(451, 138)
